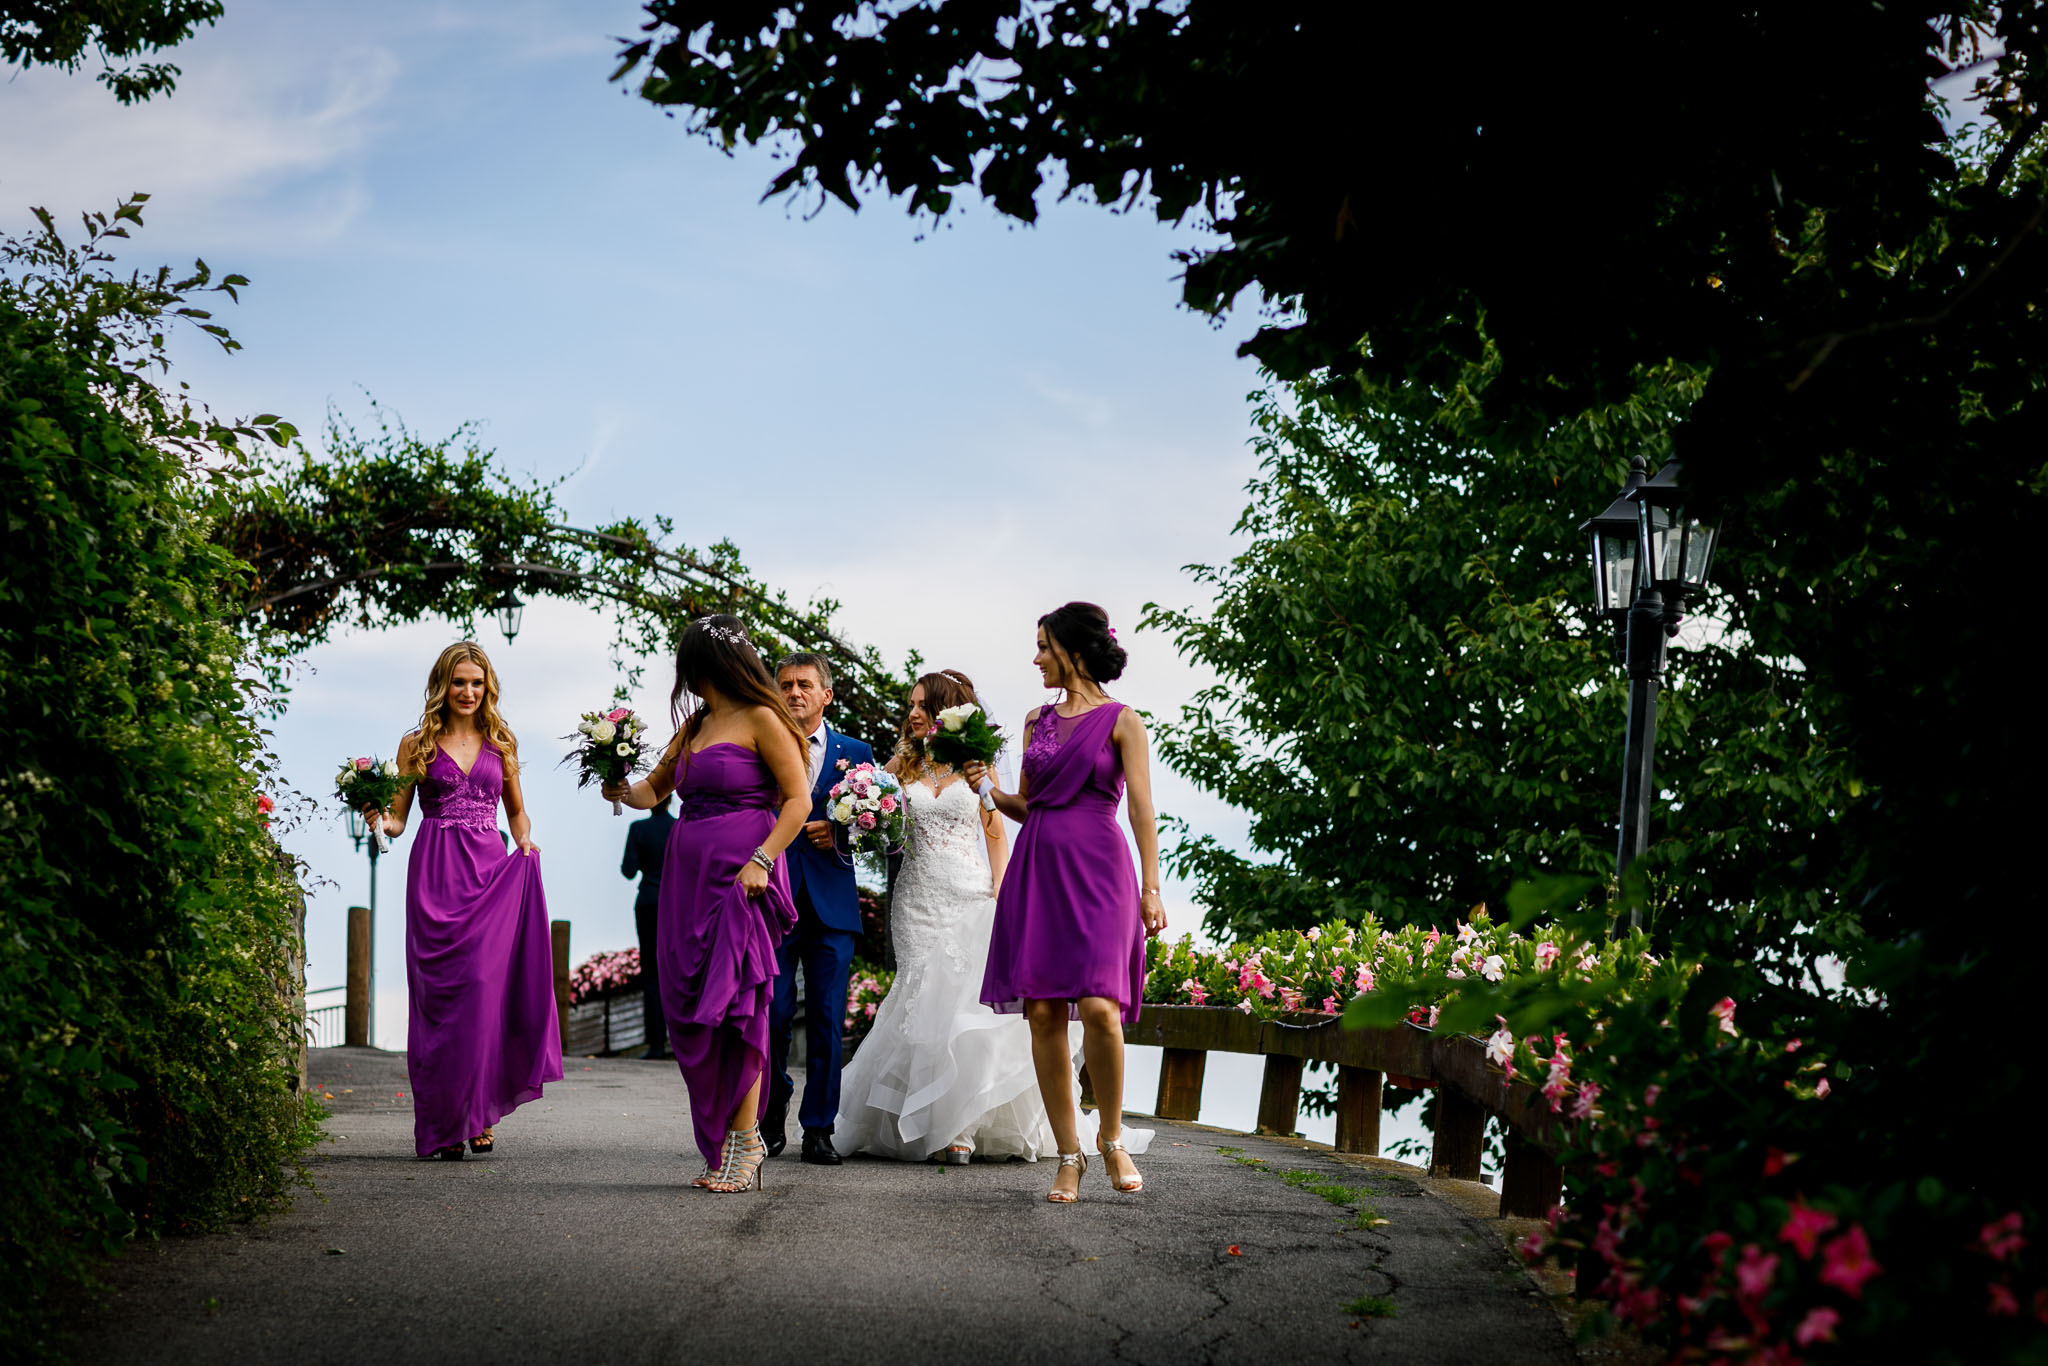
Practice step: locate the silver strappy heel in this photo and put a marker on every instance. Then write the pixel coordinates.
(1116, 1145)
(1060, 1197)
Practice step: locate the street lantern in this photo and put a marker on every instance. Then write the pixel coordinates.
(1616, 539)
(1642, 577)
(356, 828)
(509, 609)
(1676, 544)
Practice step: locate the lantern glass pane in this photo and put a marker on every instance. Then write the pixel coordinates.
(1662, 537)
(1615, 571)
(1699, 552)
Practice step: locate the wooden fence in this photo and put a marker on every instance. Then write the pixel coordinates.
(1469, 1088)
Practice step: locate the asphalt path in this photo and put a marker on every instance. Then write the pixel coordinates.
(580, 1240)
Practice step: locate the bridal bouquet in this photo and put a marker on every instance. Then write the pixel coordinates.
(868, 801)
(370, 782)
(609, 748)
(964, 733)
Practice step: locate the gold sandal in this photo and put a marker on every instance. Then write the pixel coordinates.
(1116, 1145)
(1060, 1197)
(739, 1166)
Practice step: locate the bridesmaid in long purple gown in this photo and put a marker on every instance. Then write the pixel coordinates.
(737, 763)
(1071, 919)
(482, 1037)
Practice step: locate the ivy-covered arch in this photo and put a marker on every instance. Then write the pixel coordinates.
(386, 527)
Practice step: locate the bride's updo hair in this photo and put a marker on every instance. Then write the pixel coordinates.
(1082, 629)
(946, 688)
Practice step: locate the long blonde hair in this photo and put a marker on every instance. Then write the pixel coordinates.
(421, 744)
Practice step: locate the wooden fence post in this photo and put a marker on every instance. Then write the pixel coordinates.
(559, 934)
(1358, 1110)
(1531, 1182)
(359, 1016)
(1180, 1083)
(1460, 1135)
(1280, 1095)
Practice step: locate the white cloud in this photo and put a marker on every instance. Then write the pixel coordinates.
(240, 151)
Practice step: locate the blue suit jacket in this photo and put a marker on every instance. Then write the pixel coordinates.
(825, 875)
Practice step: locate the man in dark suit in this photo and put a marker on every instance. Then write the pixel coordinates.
(828, 923)
(646, 847)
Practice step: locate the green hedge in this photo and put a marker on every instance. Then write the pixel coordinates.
(148, 925)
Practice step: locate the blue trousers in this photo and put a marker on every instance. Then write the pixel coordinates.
(826, 956)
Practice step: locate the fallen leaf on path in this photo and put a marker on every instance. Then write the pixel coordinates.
(337, 1251)
(1234, 1250)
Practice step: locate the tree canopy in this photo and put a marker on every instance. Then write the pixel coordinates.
(59, 32)
(1415, 703)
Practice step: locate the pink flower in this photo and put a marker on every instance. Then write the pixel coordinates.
(1312, 934)
(1847, 1262)
(264, 805)
(1196, 991)
(362, 765)
(1791, 1045)
(1754, 1273)
(1290, 999)
(2001, 1238)
(1245, 1006)
(866, 820)
(2002, 1302)
(1820, 1091)
(1804, 1227)
(1582, 1107)
(1817, 1326)
(888, 805)
(1650, 1094)
(1724, 1011)
(1364, 980)
(1533, 1245)
(1434, 1011)
(1546, 954)
(1431, 938)
(618, 714)
(1329, 1005)
(1500, 1049)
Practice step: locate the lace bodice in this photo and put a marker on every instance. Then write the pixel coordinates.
(468, 800)
(944, 899)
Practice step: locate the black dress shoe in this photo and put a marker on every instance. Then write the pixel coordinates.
(775, 1125)
(818, 1149)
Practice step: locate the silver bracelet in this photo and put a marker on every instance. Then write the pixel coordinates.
(760, 856)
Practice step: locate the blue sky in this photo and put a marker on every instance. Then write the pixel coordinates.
(448, 207)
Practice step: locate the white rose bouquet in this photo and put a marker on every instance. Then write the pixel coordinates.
(868, 802)
(962, 733)
(610, 748)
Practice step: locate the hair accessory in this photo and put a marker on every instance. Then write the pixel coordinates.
(724, 633)
(1112, 633)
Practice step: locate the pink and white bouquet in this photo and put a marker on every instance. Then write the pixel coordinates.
(964, 733)
(610, 747)
(370, 782)
(868, 802)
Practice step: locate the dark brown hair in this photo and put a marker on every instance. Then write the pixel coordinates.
(1082, 629)
(715, 652)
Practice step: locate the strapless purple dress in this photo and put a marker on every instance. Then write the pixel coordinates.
(481, 1038)
(1068, 923)
(717, 944)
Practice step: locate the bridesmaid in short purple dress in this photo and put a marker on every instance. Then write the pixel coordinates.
(737, 763)
(479, 972)
(1071, 919)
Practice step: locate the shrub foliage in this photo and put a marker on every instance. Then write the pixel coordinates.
(148, 925)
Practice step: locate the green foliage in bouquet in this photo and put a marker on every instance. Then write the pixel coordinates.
(964, 733)
(149, 1002)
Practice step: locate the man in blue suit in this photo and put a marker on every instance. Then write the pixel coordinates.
(828, 923)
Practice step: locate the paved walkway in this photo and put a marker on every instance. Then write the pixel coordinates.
(577, 1241)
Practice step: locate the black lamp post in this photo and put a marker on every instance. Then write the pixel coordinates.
(359, 830)
(1657, 563)
(509, 609)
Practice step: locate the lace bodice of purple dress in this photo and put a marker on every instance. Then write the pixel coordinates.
(468, 800)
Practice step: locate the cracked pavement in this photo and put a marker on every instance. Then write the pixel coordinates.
(578, 1238)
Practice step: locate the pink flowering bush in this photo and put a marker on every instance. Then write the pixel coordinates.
(603, 974)
(865, 988)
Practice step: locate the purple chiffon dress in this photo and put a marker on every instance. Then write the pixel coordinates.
(1067, 921)
(482, 1037)
(716, 943)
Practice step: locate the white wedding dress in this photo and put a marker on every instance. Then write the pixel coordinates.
(938, 1066)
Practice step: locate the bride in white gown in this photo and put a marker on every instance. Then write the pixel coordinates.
(939, 1072)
